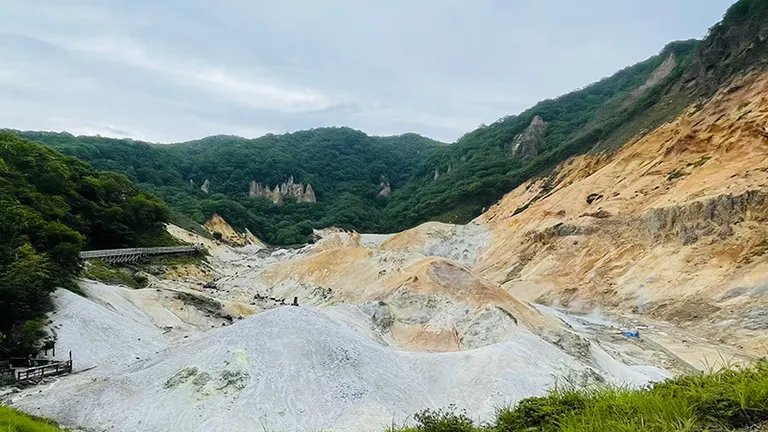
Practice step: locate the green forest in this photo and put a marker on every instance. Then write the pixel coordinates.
(429, 180)
(51, 207)
(345, 168)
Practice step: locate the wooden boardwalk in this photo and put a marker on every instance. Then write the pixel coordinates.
(17, 371)
(133, 254)
(36, 374)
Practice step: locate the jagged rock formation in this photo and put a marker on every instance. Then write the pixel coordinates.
(526, 144)
(206, 187)
(437, 174)
(301, 193)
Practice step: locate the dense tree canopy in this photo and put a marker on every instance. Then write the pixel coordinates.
(51, 207)
(345, 167)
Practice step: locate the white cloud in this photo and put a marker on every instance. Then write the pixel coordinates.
(181, 69)
(69, 13)
(254, 92)
(445, 122)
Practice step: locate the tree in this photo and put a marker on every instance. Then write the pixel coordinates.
(51, 207)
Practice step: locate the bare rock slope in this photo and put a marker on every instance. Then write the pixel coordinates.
(672, 224)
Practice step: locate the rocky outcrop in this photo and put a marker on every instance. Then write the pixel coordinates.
(437, 174)
(526, 144)
(220, 228)
(714, 216)
(289, 189)
(206, 187)
(385, 190)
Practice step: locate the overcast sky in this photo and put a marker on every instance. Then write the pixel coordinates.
(174, 70)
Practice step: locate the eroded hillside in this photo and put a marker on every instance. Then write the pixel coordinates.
(672, 224)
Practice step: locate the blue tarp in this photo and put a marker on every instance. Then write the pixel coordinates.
(632, 334)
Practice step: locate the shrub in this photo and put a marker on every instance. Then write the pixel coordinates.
(541, 413)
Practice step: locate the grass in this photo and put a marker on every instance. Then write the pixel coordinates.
(677, 173)
(188, 224)
(177, 260)
(700, 161)
(127, 275)
(111, 275)
(16, 421)
(203, 304)
(727, 400)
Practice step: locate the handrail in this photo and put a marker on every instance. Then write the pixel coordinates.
(56, 367)
(138, 251)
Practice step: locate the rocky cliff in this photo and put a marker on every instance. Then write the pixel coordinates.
(672, 224)
(289, 189)
(526, 144)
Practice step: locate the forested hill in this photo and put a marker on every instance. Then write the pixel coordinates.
(351, 173)
(51, 207)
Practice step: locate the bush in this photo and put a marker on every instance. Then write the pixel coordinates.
(441, 421)
(28, 337)
(541, 413)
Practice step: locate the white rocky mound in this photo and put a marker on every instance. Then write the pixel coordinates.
(106, 330)
(289, 368)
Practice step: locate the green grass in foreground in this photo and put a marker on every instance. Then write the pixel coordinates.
(16, 421)
(727, 400)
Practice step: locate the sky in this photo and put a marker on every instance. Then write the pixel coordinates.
(176, 70)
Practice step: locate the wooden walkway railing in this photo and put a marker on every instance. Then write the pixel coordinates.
(132, 254)
(17, 369)
(40, 372)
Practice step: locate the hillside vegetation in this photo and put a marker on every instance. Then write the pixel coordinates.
(346, 169)
(429, 181)
(731, 399)
(51, 207)
(481, 167)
